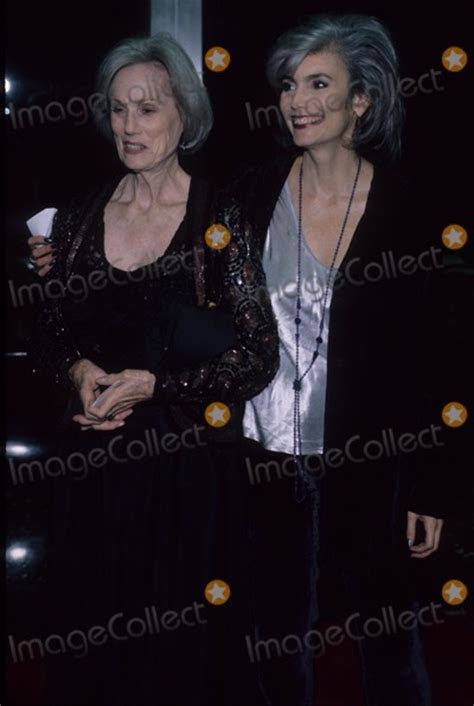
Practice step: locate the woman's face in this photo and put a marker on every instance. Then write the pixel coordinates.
(315, 101)
(144, 118)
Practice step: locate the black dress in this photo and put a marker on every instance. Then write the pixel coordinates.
(161, 511)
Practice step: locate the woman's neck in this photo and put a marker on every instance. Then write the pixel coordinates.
(165, 185)
(329, 173)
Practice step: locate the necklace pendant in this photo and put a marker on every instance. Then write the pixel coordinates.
(296, 384)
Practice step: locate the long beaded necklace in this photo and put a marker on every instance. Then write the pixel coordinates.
(297, 449)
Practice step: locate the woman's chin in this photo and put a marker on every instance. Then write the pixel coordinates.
(303, 138)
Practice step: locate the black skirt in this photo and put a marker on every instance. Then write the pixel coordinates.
(135, 543)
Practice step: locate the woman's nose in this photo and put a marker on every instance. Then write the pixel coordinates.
(298, 99)
(130, 122)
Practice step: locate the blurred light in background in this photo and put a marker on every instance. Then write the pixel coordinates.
(16, 552)
(14, 449)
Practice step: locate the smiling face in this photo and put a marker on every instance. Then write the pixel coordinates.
(316, 103)
(144, 118)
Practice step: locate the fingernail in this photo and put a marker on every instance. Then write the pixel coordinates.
(122, 424)
(410, 542)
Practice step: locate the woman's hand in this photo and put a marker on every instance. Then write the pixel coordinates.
(41, 254)
(85, 374)
(125, 389)
(432, 527)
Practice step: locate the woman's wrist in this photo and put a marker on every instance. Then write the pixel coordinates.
(76, 366)
(151, 382)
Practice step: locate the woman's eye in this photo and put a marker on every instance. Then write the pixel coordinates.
(286, 86)
(116, 109)
(147, 110)
(319, 84)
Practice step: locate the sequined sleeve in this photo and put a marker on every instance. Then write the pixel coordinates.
(243, 371)
(52, 345)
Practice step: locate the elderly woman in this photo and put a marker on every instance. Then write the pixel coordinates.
(331, 428)
(175, 333)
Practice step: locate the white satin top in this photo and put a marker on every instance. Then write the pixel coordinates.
(268, 417)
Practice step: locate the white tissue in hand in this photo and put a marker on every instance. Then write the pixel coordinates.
(42, 223)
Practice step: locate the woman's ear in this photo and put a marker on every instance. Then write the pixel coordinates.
(360, 104)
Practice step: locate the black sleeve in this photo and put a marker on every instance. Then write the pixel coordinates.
(431, 339)
(244, 370)
(52, 345)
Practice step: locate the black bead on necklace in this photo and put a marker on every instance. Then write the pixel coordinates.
(297, 450)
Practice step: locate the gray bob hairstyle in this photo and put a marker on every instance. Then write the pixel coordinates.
(191, 96)
(367, 49)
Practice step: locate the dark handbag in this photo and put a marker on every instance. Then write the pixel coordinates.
(195, 332)
(198, 333)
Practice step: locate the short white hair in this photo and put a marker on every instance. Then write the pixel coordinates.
(189, 92)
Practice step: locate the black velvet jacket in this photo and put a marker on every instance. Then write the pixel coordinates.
(383, 346)
(223, 346)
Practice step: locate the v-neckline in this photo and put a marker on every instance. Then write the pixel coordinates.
(175, 240)
(355, 236)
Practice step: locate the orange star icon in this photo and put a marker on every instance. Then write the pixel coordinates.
(454, 236)
(217, 236)
(217, 592)
(454, 59)
(217, 414)
(454, 592)
(454, 414)
(217, 59)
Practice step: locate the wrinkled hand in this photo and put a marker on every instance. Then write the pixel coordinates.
(432, 527)
(41, 254)
(124, 390)
(84, 374)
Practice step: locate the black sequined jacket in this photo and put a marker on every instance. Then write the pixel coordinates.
(229, 279)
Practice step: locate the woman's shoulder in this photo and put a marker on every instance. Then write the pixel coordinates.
(251, 179)
(83, 201)
(257, 187)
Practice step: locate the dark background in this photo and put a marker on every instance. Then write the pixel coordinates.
(52, 51)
